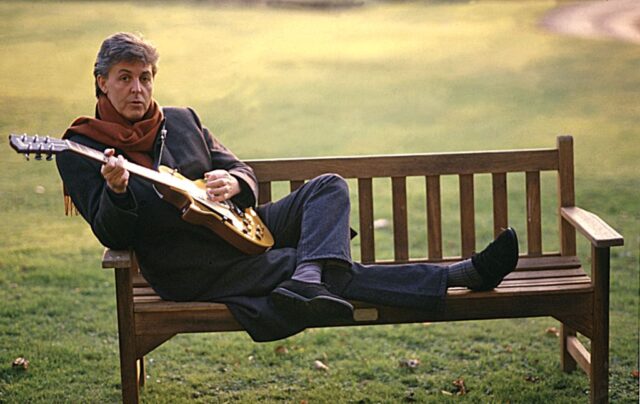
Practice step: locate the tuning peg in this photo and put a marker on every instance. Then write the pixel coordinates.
(26, 156)
(36, 138)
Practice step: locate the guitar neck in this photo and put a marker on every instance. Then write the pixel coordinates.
(135, 169)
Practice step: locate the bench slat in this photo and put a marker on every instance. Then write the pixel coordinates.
(534, 213)
(365, 206)
(264, 192)
(400, 223)
(569, 280)
(467, 216)
(294, 185)
(523, 290)
(434, 217)
(500, 204)
(545, 273)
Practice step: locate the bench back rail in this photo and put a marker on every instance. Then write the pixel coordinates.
(432, 167)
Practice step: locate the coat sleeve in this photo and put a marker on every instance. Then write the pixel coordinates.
(112, 216)
(223, 158)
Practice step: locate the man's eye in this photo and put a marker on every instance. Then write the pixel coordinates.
(124, 78)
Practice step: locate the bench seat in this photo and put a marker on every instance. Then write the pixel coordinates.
(544, 286)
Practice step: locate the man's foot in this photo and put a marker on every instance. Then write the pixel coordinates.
(311, 298)
(497, 260)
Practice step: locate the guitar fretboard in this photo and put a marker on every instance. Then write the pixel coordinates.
(146, 173)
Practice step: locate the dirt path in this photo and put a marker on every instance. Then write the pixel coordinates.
(619, 19)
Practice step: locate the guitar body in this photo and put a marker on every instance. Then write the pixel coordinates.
(241, 228)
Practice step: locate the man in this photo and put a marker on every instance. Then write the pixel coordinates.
(308, 276)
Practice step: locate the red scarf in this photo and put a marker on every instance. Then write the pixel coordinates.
(111, 128)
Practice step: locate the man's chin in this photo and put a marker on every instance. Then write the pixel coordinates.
(134, 116)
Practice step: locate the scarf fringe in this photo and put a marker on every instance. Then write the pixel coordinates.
(69, 208)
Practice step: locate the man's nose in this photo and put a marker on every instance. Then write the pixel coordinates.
(136, 86)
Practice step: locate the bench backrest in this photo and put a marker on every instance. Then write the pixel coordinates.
(498, 165)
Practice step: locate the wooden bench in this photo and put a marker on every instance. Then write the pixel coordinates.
(544, 284)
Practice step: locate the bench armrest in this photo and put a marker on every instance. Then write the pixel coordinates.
(592, 227)
(116, 258)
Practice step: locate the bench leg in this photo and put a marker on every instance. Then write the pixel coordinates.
(600, 341)
(566, 360)
(142, 374)
(127, 338)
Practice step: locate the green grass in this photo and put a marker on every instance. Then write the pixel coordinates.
(386, 78)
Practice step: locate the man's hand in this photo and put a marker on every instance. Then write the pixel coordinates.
(114, 173)
(221, 185)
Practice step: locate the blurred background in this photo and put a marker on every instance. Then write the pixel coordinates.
(291, 78)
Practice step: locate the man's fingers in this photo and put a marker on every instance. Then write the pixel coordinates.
(113, 171)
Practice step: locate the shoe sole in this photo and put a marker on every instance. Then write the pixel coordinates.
(321, 306)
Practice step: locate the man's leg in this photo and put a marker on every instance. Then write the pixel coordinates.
(423, 286)
(315, 220)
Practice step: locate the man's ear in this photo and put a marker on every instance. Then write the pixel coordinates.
(102, 83)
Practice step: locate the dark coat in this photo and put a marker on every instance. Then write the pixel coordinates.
(181, 261)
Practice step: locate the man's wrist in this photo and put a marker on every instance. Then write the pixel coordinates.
(119, 191)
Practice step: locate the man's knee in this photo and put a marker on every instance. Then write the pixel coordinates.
(335, 181)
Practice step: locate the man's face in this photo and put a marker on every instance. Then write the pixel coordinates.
(129, 87)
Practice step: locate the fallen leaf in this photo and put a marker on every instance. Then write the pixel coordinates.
(320, 366)
(20, 363)
(381, 223)
(552, 330)
(446, 393)
(281, 350)
(462, 390)
(40, 189)
(635, 373)
(410, 397)
(532, 378)
(508, 348)
(410, 363)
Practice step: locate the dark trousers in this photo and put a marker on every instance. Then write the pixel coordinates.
(312, 223)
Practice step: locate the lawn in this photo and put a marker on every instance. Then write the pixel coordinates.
(398, 77)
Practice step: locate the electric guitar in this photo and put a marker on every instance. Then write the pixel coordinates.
(241, 228)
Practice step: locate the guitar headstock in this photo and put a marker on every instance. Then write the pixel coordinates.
(38, 145)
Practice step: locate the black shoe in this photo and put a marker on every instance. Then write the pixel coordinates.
(497, 260)
(311, 298)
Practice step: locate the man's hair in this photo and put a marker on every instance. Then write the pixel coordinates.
(123, 46)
